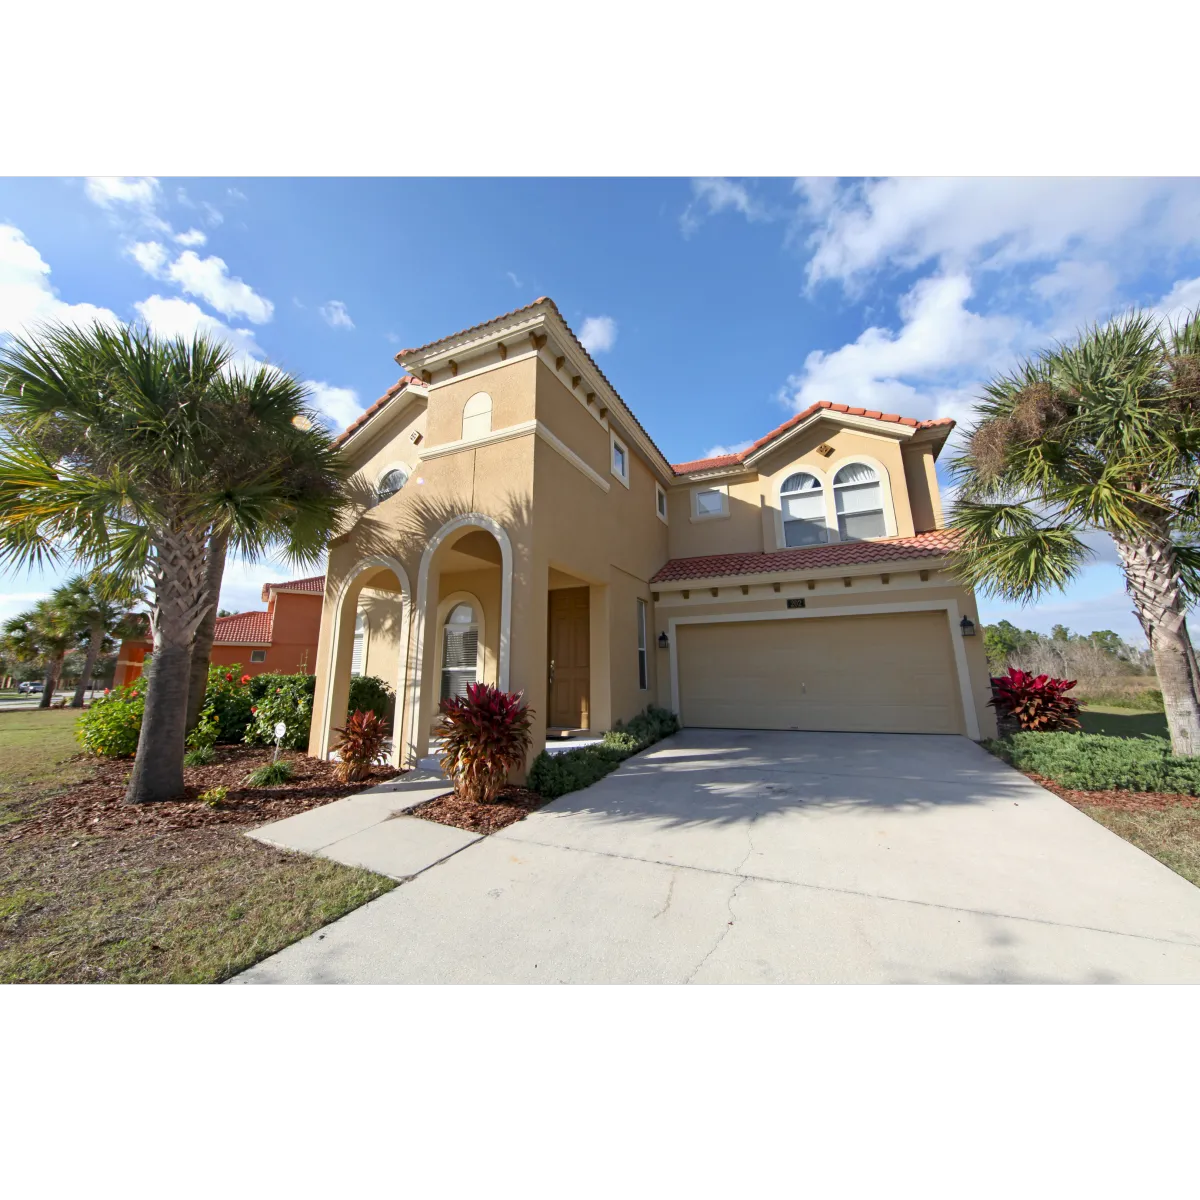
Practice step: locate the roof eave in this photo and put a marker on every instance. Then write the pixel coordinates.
(886, 566)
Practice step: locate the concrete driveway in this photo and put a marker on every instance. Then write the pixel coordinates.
(735, 857)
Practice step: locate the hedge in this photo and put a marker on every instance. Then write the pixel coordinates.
(1093, 762)
(554, 775)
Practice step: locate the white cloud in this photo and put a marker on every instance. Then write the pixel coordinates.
(394, 338)
(336, 315)
(236, 194)
(1181, 301)
(339, 405)
(713, 196)
(109, 190)
(172, 316)
(212, 214)
(209, 279)
(598, 334)
(193, 237)
(515, 281)
(150, 256)
(26, 295)
(996, 222)
(719, 451)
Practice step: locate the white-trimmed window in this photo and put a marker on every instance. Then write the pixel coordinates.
(643, 663)
(258, 656)
(858, 498)
(619, 458)
(802, 499)
(360, 645)
(477, 416)
(390, 482)
(660, 502)
(460, 651)
(710, 502)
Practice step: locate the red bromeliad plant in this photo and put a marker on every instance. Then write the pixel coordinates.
(359, 746)
(485, 735)
(1037, 702)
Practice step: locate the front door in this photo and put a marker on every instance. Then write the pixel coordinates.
(570, 675)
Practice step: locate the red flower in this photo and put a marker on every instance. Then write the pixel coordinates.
(245, 678)
(254, 710)
(229, 677)
(106, 691)
(133, 695)
(279, 691)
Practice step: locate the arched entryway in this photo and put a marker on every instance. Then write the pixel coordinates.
(371, 633)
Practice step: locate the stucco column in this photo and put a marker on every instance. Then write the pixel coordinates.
(528, 636)
(599, 668)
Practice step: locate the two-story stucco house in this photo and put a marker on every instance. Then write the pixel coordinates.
(524, 529)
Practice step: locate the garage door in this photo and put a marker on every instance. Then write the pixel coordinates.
(877, 674)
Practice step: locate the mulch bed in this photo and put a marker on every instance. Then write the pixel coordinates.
(512, 805)
(97, 806)
(1125, 801)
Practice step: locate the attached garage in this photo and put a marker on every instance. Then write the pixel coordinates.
(882, 673)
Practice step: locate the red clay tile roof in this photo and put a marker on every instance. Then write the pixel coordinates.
(729, 460)
(383, 400)
(934, 544)
(243, 629)
(314, 583)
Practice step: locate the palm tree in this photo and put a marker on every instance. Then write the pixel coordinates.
(42, 634)
(95, 606)
(1102, 433)
(138, 455)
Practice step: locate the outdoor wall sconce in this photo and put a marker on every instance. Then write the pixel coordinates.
(967, 626)
(663, 641)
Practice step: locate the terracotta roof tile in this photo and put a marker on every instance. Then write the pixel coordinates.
(314, 583)
(383, 400)
(934, 544)
(243, 629)
(728, 460)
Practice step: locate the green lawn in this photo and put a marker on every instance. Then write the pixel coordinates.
(138, 907)
(1122, 722)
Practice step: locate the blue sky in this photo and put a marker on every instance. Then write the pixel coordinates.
(717, 307)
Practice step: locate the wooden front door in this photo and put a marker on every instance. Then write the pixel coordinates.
(570, 674)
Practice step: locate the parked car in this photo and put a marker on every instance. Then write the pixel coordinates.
(34, 685)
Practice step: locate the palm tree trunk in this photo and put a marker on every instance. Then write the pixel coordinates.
(214, 572)
(179, 602)
(48, 682)
(95, 638)
(1153, 581)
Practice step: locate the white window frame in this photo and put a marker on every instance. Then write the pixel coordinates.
(366, 634)
(722, 489)
(382, 475)
(885, 488)
(831, 535)
(449, 606)
(477, 407)
(615, 443)
(263, 659)
(660, 503)
(643, 651)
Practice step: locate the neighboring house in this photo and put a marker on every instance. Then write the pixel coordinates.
(525, 530)
(281, 639)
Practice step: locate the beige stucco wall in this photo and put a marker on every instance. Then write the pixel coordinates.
(755, 521)
(510, 386)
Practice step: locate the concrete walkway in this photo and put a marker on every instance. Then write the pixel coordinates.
(779, 857)
(369, 829)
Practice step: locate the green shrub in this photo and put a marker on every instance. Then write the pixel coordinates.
(554, 775)
(286, 698)
(270, 774)
(230, 700)
(215, 796)
(113, 723)
(200, 756)
(1094, 762)
(204, 735)
(368, 693)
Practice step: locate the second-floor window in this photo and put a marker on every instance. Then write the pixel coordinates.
(477, 416)
(391, 482)
(620, 458)
(858, 497)
(802, 499)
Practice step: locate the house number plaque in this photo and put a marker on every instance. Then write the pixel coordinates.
(798, 602)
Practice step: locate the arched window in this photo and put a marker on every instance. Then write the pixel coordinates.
(390, 483)
(802, 499)
(477, 416)
(360, 645)
(859, 501)
(460, 651)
